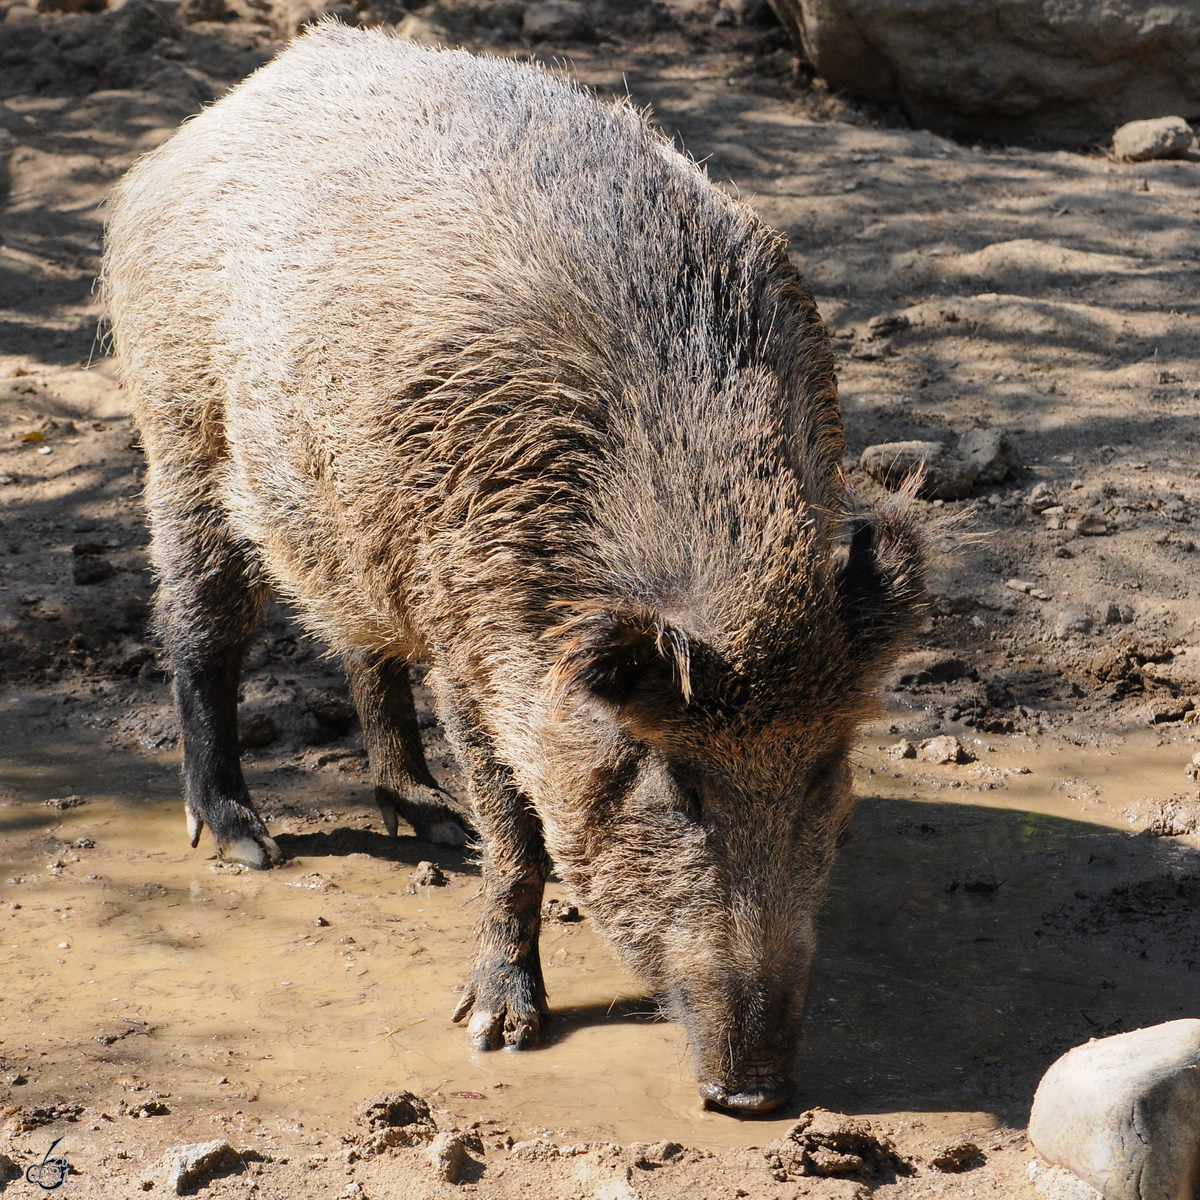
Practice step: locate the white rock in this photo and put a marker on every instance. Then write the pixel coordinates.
(992, 452)
(186, 1165)
(1164, 137)
(1123, 1113)
(947, 477)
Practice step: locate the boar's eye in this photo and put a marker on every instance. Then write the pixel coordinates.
(691, 804)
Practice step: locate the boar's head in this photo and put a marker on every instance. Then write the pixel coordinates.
(701, 785)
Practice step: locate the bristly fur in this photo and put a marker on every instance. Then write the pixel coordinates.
(443, 348)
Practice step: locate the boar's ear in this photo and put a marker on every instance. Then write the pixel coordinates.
(881, 581)
(612, 653)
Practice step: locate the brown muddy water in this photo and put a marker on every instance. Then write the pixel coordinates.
(981, 922)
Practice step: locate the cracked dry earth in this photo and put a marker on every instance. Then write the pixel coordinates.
(992, 911)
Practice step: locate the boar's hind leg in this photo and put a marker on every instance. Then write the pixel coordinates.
(209, 599)
(403, 784)
(505, 994)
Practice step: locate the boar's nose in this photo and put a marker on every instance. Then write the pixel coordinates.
(754, 1097)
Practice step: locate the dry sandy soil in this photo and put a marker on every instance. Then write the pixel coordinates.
(989, 915)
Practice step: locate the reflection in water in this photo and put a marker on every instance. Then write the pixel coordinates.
(304, 989)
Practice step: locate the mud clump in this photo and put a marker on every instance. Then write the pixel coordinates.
(395, 1119)
(964, 1156)
(449, 1157)
(832, 1145)
(428, 874)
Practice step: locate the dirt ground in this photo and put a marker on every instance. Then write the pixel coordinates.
(990, 914)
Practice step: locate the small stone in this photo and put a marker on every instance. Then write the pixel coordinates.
(429, 874)
(1192, 770)
(561, 911)
(1163, 137)
(62, 803)
(1123, 1113)
(255, 730)
(187, 1165)
(946, 476)
(992, 452)
(321, 923)
(902, 749)
(944, 749)
(886, 324)
(91, 568)
(1072, 620)
(565, 20)
(1041, 497)
(872, 351)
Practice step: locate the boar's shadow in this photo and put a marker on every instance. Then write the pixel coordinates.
(964, 948)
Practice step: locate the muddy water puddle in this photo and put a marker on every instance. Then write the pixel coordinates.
(139, 963)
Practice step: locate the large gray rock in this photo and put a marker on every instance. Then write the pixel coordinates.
(1065, 73)
(947, 477)
(1168, 137)
(1123, 1113)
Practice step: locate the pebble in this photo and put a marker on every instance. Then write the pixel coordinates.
(886, 324)
(1192, 770)
(944, 749)
(947, 477)
(1163, 137)
(1029, 589)
(186, 1165)
(562, 19)
(1123, 1113)
(902, 749)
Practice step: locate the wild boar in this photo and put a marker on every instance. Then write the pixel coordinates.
(478, 370)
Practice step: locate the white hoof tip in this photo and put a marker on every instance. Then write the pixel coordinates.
(245, 850)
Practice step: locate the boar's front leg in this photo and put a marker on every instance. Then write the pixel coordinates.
(403, 785)
(209, 599)
(505, 994)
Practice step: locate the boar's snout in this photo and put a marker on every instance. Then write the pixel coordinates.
(748, 1096)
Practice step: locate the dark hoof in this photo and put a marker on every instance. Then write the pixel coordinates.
(756, 1099)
